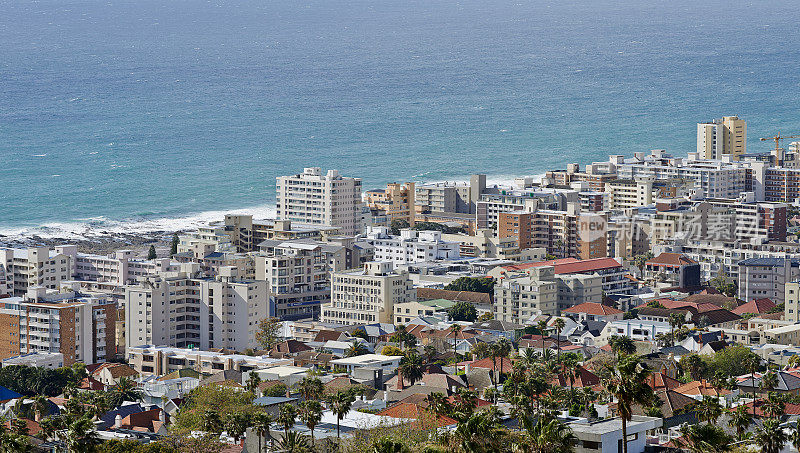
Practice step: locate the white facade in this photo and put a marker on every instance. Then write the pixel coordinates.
(411, 246)
(34, 267)
(176, 309)
(314, 199)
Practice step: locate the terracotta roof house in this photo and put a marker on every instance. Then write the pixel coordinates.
(584, 378)
(700, 389)
(673, 407)
(33, 427)
(755, 306)
(90, 383)
(660, 381)
(411, 411)
(288, 348)
(153, 420)
(330, 335)
(790, 409)
(499, 363)
(711, 298)
(447, 383)
(593, 311)
(312, 358)
(110, 373)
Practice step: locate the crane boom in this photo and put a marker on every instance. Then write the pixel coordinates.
(777, 139)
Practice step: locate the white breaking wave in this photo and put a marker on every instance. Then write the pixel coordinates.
(97, 227)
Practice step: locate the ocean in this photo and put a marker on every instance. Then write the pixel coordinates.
(163, 113)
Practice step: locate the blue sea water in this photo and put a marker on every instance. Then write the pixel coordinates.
(121, 110)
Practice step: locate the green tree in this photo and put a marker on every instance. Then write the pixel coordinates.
(287, 417)
(403, 338)
(723, 284)
(222, 400)
(356, 349)
(622, 345)
(173, 250)
(770, 436)
(389, 445)
(151, 254)
(268, 332)
(261, 424)
(310, 388)
(253, 381)
(473, 284)
(391, 350)
(339, 404)
(397, 225)
(310, 412)
(236, 425)
(628, 384)
(410, 368)
(708, 409)
(81, 436)
(125, 390)
(294, 442)
(704, 438)
(548, 435)
(559, 326)
(275, 390)
(740, 420)
(480, 433)
(211, 422)
(463, 311)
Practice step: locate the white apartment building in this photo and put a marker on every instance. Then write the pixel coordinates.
(181, 309)
(298, 273)
(791, 310)
(34, 267)
(79, 327)
(724, 256)
(713, 178)
(522, 296)
(636, 329)
(120, 268)
(450, 196)
(766, 278)
(368, 295)
(528, 200)
(410, 247)
(314, 199)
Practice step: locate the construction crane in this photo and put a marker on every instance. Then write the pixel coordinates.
(778, 139)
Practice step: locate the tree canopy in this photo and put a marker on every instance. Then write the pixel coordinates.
(463, 311)
(474, 284)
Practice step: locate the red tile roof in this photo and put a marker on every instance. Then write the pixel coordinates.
(487, 363)
(755, 306)
(596, 264)
(789, 408)
(671, 259)
(523, 266)
(593, 308)
(658, 381)
(411, 411)
(698, 388)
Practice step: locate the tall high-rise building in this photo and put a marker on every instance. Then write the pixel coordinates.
(726, 136)
(316, 199)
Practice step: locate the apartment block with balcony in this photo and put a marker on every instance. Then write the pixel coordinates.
(34, 267)
(410, 246)
(367, 295)
(298, 273)
(316, 199)
(396, 202)
(161, 360)
(766, 278)
(80, 327)
(184, 309)
(450, 197)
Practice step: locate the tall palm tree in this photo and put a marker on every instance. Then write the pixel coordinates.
(261, 423)
(125, 390)
(740, 420)
(548, 435)
(41, 406)
(559, 326)
(622, 345)
(752, 363)
(428, 352)
(253, 382)
(708, 409)
(627, 382)
(410, 368)
(541, 326)
(310, 412)
(356, 348)
(286, 417)
(570, 368)
(773, 406)
(479, 433)
(768, 381)
(501, 349)
(340, 404)
(236, 425)
(310, 388)
(675, 321)
(81, 436)
(770, 436)
(704, 439)
(455, 329)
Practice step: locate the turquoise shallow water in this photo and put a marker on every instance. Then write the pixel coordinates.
(130, 110)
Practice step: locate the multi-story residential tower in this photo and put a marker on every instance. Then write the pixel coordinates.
(368, 295)
(316, 199)
(450, 197)
(298, 273)
(410, 246)
(80, 327)
(34, 267)
(184, 309)
(396, 202)
(726, 136)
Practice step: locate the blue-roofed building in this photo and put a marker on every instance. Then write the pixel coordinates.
(7, 395)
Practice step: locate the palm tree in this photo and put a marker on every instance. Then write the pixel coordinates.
(211, 422)
(41, 406)
(455, 329)
(548, 435)
(236, 425)
(310, 412)
(500, 349)
(428, 352)
(339, 404)
(559, 325)
(675, 322)
(125, 390)
(261, 424)
(294, 442)
(770, 436)
(542, 327)
(389, 445)
(356, 348)
(627, 382)
(81, 436)
(740, 420)
(622, 345)
(751, 363)
(479, 433)
(708, 409)
(47, 428)
(570, 368)
(287, 417)
(704, 439)
(768, 381)
(253, 382)
(410, 368)
(773, 407)
(310, 388)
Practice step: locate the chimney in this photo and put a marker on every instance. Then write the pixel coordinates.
(162, 415)
(117, 421)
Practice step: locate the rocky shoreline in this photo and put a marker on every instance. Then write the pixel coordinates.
(101, 243)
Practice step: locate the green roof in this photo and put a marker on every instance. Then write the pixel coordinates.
(444, 303)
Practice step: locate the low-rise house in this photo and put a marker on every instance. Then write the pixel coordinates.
(636, 329)
(159, 360)
(675, 408)
(673, 269)
(606, 435)
(288, 374)
(38, 359)
(755, 307)
(702, 388)
(787, 383)
(593, 311)
(405, 312)
(496, 327)
(288, 348)
(387, 363)
(111, 373)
